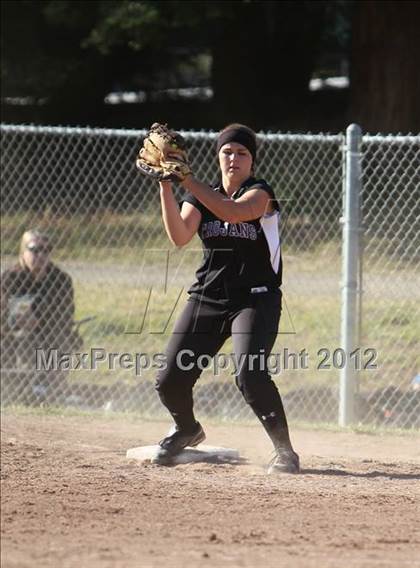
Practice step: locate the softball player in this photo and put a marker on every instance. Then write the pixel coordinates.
(236, 293)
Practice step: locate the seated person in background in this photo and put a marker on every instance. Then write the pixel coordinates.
(37, 305)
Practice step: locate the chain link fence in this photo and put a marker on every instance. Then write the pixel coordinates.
(390, 276)
(80, 187)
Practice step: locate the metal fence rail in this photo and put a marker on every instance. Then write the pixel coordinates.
(81, 187)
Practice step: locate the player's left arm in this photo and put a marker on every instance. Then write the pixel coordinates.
(254, 204)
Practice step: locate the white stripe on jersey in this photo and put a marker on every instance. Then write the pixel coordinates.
(270, 226)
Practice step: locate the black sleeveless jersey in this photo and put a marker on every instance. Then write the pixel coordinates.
(237, 257)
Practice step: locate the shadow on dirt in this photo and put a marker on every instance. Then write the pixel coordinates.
(366, 475)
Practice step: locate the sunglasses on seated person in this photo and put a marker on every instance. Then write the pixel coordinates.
(39, 249)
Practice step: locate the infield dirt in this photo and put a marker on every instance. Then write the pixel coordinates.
(71, 498)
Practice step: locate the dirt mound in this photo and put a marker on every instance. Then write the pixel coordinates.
(70, 498)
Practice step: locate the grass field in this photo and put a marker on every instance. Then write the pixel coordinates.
(310, 323)
(128, 276)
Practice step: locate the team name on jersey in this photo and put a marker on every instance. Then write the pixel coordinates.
(220, 229)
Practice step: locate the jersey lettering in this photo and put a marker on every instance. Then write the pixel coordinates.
(239, 230)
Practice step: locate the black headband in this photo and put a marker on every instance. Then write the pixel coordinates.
(241, 136)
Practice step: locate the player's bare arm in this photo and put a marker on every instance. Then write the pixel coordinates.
(182, 225)
(253, 205)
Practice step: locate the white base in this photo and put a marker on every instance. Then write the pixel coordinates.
(213, 454)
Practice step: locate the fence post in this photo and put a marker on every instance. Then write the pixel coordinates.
(350, 265)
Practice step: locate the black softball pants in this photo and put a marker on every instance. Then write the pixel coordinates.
(203, 328)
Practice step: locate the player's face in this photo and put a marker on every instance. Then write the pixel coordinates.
(235, 161)
(36, 255)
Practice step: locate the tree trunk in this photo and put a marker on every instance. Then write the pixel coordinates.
(263, 59)
(234, 62)
(385, 77)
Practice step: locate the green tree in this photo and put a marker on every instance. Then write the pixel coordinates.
(70, 54)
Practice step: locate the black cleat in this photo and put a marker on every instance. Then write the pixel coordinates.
(285, 461)
(174, 444)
